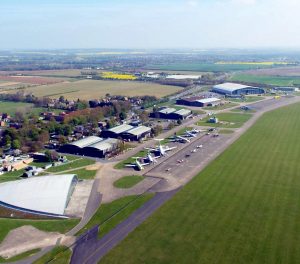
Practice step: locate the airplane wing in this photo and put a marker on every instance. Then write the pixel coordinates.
(145, 164)
(151, 149)
(168, 149)
(130, 165)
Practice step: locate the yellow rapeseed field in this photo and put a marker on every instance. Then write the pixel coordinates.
(117, 76)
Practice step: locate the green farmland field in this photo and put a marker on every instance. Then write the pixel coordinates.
(243, 208)
(230, 120)
(205, 67)
(263, 79)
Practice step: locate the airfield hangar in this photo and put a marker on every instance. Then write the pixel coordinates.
(37, 197)
(127, 132)
(92, 147)
(198, 101)
(171, 113)
(235, 89)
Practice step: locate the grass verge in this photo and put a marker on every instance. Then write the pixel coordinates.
(81, 162)
(58, 255)
(61, 226)
(227, 120)
(110, 215)
(128, 181)
(20, 256)
(84, 174)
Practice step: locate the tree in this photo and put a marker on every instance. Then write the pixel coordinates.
(171, 125)
(144, 117)
(122, 115)
(61, 99)
(44, 136)
(16, 144)
(157, 130)
(7, 141)
(51, 155)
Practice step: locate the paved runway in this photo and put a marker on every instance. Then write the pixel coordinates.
(89, 250)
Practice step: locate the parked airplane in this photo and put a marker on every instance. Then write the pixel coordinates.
(177, 138)
(150, 158)
(137, 164)
(161, 150)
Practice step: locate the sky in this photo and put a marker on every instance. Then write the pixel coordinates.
(132, 24)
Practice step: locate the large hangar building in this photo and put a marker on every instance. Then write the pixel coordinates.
(46, 196)
(91, 146)
(199, 101)
(127, 132)
(235, 89)
(171, 113)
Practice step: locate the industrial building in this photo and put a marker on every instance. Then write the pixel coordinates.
(286, 89)
(46, 196)
(91, 146)
(127, 132)
(199, 101)
(234, 89)
(171, 113)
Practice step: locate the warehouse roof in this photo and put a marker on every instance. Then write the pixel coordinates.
(208, 100)
(183, 77)
(139, 130)
(86, 141)
(46, 194)
(183, 112)
(120, 129)
(104, 145)
(230, 87)
(167, 110)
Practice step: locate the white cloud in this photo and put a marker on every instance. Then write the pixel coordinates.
(245, 2)
(192, 3)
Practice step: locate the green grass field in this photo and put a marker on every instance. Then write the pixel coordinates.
(26, 108)
(11, 176)
(58, 255)
(77, 163)
(61, 226)
(231, 120)
(263, 79)
(121, 164)
(243, 208)
(128, 181)
(20, 256)
(205, 67)
(91, 89)
(110, 215)
(247, 99)
(84, 174)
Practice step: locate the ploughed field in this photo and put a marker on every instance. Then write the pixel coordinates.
(93, 89)
(243, 208)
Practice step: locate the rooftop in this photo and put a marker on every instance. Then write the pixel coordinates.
(139, 130)
(167, 110)
(104, 145)
(231, 86)
(209, 100)
(120, 129)
(183, 77)
(84, 142)
(46, 194)
(183, 112)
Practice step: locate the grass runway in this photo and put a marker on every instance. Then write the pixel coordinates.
(243, 208)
